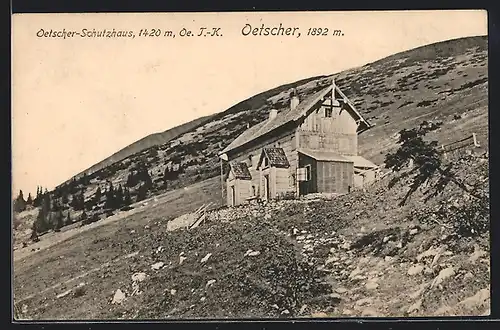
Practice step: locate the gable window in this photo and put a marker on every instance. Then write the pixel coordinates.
(328, 112)
(308, 172)
(250, 160)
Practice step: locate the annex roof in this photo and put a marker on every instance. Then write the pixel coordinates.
(327, 156)
(361, 162)
(240, 171)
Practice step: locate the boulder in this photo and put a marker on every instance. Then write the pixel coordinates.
(118, 297)
(157, 266)
(442, 276)
(138, 277)
(415, 269)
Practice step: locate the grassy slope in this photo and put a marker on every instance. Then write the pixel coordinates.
(287, 273)
(438, 81)
(452, 84)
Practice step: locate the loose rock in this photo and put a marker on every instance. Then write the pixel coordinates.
(476, 300)
(138, 277)
(415, 307)
(205, 258)
(118, 297)
(64, 294)
(157, 265)
(443, 275)
(415, 269)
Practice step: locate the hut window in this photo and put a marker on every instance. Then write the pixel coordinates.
(308, 172)
(253, 191)
(328, 112)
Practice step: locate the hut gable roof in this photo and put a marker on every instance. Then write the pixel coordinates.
(275, 156)
(240, 171)
(295, 115)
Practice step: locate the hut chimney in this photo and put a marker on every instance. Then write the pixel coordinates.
(294, 100)
(272, 114)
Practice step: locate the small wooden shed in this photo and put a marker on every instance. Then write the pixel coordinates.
(239, 183)
(273, 170)
(326, 172)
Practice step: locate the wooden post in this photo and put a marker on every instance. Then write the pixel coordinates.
(333, 90)
(222, 180)
(474, 137)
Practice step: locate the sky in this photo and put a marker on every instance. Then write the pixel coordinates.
(76, 101)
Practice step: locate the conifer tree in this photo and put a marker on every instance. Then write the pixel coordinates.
(34, 235)
(29, 201)
(74, 201)
(19, 202)
(56, 206)
(64, 197)
(119, 197)
(42, 222)
(68, 220)
(59, 221)
(98, 195)
(142, 192)
(36, 201)
(166, 174)
(110, 197)
(127, 200)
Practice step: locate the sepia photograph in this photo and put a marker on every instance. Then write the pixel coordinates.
(250, 165)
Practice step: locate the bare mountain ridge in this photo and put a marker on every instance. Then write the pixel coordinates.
(144, 143)
(446, 81)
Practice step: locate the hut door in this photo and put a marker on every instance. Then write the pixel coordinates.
(266, 187)
(233, 196)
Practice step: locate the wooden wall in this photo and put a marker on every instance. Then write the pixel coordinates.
(306, 187)
(367, 177)
(242, 189)
(335, 177)
(285, 182)
(317, 132)
(336, 133)
(287, 141)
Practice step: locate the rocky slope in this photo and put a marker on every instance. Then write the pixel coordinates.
(444, 82)
(357, 255)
